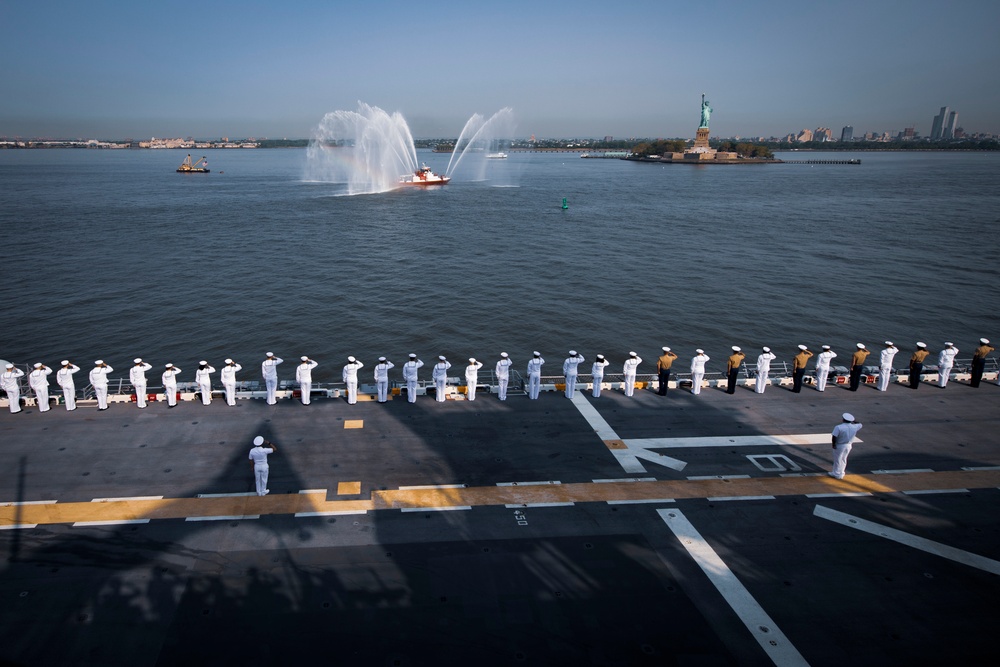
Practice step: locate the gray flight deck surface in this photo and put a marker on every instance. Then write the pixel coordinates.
(706, 558)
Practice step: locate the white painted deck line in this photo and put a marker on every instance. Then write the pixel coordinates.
(16, 526)
(110, 523)
(30, 502)
(451, 508)
(233, 517)
(734, 441)
(980, 468)
(331, 513)
(803, 474)
(904, 471)
(845, 494)
(910, 540)
(645, 501)
(723, 498)
(226, 495)
(719, 477)
(624, 479)
(111, 500)
(517, 506)
(432, 486)
(926, 492)
(323, 491)
(528, 483)
(593, 417)
(768, 635)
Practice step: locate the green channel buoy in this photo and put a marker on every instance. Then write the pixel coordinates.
(565, 205)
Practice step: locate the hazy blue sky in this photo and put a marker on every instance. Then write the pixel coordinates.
(582, 68)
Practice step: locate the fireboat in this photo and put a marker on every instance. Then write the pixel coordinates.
(423, 176)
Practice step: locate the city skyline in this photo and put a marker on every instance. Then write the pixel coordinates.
(115, 70)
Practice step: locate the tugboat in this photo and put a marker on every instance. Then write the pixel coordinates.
(500, 155)
(199, 167)
(423, 176)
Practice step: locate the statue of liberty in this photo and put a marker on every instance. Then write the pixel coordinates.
(706, 112)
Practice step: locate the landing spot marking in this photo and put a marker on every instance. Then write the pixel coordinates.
(348, 488)
(354, 423)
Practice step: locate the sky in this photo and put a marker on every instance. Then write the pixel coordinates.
(125, 69)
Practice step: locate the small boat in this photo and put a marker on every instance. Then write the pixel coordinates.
(199, 167)
(496, 156)
(423, 176)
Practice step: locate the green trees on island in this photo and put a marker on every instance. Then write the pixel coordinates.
(667, 146)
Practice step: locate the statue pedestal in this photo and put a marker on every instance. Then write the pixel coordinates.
(701, 139)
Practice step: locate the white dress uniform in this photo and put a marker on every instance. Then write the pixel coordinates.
(472, 378)
(823, 360)
(64, 376)
(570, 371)
(303, 375)
(260, 467)
(203, 376)
(137, 376)
(228, 377)
(38, 380)
(885, 365)
(169, 380)
(535, 375)
(503, 375)
(350, 377)
(440, 377)
(10, 385)
(410, 376)
(269, 369)
(99, 380)
(698, 370)
(628, 370)
(382, 378)
(763, 369)
(946, 360)
(597, 371)
(843, 436)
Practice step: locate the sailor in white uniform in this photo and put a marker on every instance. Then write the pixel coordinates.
(203, 376)
(763, 368)
(169, 380)
(410, 376)
(823, 360)
(535, 374)
(258, 458)
(503, 374)
(228, 377)
(885, 364)
(570, 371)
(99, 380)
(64, 376)
(842, 439)
(350, 377)
(382, 378)
(472, 378)
(597, 371)
(698, 370)
(303, 375)
(137, 376)
(269, 369)
(38, 380)
(440, 376)
(628, 370)
(946, 360)
(9, 382)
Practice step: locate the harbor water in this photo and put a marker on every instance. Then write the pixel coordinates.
(113, 255)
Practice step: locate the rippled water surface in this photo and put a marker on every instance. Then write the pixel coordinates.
(111, 254)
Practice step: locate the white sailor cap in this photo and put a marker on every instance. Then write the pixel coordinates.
(888, 343)
(304, 358)
(381, 358)
(99, 362)
(766, 348)
(351, 359)
(10, 366)
(229, 361)
(64, 362)
(700, 351)
(441, 357)
(537, 353)
(38, 365)
(826, 347)
(269, 354)
(919, 344)
(803, 347)
(503, 354)
(736, 348)
(632, 354)
(472, 360)
(203, 363)
(137, 360)
(600, 356)
(258, 441)
(861, 346)
(984, 341)
(948, 344)
(572, 353)
(848, 417)
(665, 348)
(169, 366)
(413, 356)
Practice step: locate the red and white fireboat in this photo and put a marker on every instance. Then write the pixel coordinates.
(423, 176)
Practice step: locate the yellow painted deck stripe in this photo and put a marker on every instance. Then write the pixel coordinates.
(294, 503)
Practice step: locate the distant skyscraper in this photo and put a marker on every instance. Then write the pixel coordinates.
(937, 127)
(823, 134)
(847, 134)
(949, 129)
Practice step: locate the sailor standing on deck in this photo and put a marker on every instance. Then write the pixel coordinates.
(946, 360)
(440, 377)
(917, 365)
(410, 375)
(258, 458)
(535, 374)
(857, 364)
(137, 376)
(979, 361)
(99, 380)
(472, 378)
(169, 380)
(597, 371)
(698, 362)
(38, 380)
(269, 369)
(570, 371)
(842, 437)
(823, 360)
(350, 377)
(503, 374)
(9, 382)
(64, 376)
(203, 376)
(228, 377)
(663, 364)
(628, 369)
(799, 368)
(733, 369)
(303, 375)
(885, 364)
(763, 369)
(382, 378)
